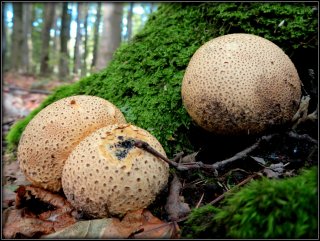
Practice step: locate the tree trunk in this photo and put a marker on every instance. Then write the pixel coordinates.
(111, 33)
(85, 41)
(77, 57)
(64, 39)
(17, 38)
(129, 24)
(26, 47)
(47, 25)
(56, 39)
(96, 36)
(4, 38)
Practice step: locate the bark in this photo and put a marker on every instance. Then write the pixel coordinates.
(111, 33)
(85, 42)
(47, 25)
(26, 47)
(129, 19)
(96, 36)
(77, 56)
(64, 39)
(17, 38)
(4, 36)
(56, 38)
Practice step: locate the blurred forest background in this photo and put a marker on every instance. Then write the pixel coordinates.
(67, 40)
(48, 44)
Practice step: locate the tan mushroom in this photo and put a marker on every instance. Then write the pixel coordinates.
(50, 136)
(240, 84)
(107, 175)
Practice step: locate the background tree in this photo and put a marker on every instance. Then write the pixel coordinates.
(129, 21)
(64, 39)
(85, 40)
(48, 22)
(16, 38)
(111, 33)
(76, 56)
(4, 34)
(96, 36)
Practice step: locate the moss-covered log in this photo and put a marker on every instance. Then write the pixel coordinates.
(144, 79)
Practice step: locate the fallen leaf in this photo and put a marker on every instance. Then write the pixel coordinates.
(259, 160)
(189, 158)
(8, 196)
(18, 223)
(136, 224)
(23, 220)
(175, 207)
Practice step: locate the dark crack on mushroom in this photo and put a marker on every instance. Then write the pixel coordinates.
(123, 147)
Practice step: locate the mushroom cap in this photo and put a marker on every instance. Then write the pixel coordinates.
(107, 175)
(54, 132)
(239, 84)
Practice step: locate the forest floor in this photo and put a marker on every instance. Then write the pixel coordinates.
(275, 155)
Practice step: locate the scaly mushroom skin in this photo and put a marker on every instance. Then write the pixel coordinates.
(240, 84)
(54, 132)
(107, 175)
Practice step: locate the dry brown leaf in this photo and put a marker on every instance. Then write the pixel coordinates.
(175, 207)
(20, 221)
(152, 227)
(136, 224)
(8, 197)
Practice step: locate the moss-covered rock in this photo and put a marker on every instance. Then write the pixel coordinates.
(263, 209)
(144, 79)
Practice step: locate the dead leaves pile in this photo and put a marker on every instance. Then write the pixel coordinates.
(38, 213)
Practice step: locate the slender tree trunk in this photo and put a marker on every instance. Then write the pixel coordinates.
(48, 21)
(85, 41)
(56, 38)
(96, 36)
(26, 47)
(64, 39)
(111, 33)
(4, 37)
(17, 38)
(129, 25)
(77, 57)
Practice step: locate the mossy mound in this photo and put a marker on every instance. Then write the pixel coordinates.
(263, 209)
(144, 79)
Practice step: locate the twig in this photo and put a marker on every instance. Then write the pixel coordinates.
(197, 165)
(238, 185)
(198, 204)
(302, 137)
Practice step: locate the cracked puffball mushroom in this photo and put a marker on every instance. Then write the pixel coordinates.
(54, 132)
(240, 84)
(106, 174)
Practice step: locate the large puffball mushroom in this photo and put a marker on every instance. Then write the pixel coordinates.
(239, 84)
(106, 174)
(54, 132)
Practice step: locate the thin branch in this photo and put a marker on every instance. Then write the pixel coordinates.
(197, 165)
(302, 137)
(218, 199)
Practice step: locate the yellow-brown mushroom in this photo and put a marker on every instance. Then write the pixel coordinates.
(106, 174)
(54, 132)
(239, 84)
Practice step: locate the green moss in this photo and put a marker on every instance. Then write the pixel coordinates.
(263, 209)
(144, 79)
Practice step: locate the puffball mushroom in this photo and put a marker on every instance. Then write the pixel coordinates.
(239, 84)
(54, 132)
(106, 174)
